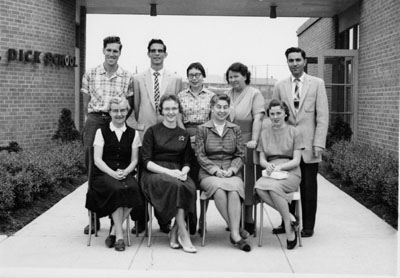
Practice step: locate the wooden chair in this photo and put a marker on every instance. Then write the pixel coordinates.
(92, 214)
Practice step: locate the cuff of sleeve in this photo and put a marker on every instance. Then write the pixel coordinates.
(213, 170)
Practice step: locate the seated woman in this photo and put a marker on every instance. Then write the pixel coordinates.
(165, 181)
(114, 190)
(280, 148)
(219, 151)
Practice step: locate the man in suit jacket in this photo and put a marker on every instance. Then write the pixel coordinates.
(146, 98)
(306, 97)
(145, 104)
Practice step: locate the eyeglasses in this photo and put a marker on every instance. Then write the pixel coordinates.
(122, 111)
(156, 50)
(196, 75)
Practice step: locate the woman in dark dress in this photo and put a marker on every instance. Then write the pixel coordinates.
(166, 154)
(114, 190)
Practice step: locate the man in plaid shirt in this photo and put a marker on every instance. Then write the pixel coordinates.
(99, 85)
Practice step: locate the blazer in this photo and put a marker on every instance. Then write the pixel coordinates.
(144, 112)
(312, 117)
(215, 152)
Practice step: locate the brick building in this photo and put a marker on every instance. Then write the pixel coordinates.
(358, 56)
(352, 44)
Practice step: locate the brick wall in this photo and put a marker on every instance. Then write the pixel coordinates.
(32, 94)
(379, 72)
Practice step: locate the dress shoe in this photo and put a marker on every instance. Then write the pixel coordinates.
(119, 245)
(187, 249)
(249, 227)
(307, 233)
(290, 244)
(165, 228)
(279, 230)
(140, 229)
(241, 244)
(172, 243)
(86, 229)
(110, 241)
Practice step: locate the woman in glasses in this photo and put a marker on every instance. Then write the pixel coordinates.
(166, 155)
(195, 101)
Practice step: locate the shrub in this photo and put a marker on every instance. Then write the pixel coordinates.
(66, 130)
(12, 147)
(372, 171)
(29, 174)
(339, 130)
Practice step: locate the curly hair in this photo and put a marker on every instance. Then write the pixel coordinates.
(282, 105)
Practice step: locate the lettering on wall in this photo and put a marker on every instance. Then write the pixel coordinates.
(37, 57)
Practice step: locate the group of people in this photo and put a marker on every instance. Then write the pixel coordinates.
(154, 141)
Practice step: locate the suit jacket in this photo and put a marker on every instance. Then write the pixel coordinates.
(145, 114)
(312, 117)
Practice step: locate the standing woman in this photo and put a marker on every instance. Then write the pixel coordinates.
(219, 150)
(166, 155)
(195, 102)
(247, 111)
(114, 191)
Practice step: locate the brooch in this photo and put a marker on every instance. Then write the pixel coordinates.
(181, 138)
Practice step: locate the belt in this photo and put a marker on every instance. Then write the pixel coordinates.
(104, 114)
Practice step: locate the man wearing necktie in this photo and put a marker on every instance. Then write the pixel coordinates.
(306, 97)
(149, 87)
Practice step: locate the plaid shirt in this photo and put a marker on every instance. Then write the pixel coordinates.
(196, 110)
(102, 88)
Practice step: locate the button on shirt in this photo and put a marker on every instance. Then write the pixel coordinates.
(196, 109)
(101, 88)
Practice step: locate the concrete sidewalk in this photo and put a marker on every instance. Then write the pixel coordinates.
(349, 241)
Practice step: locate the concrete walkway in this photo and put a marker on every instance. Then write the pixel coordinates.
(349, 241)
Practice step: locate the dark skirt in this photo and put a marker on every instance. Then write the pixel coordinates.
(107, 194)
(167, 193)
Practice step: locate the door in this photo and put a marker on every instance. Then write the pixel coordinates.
(339, 69)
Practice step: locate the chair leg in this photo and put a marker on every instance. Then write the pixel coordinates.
(90, 228)
(300, 216)
(150, 223)
(255, 219)
(203, 205)
(128, 230)
(260, 237)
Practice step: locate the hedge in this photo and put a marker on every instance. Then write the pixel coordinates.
(368, 169)
(29, 174)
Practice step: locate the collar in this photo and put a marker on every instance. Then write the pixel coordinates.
(113, 128)
(210, 124)
(189, 90)
(102, 70)
(301, 78)
(161, 71)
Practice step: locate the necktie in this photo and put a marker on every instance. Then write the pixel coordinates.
(156, 89)
(296, 97)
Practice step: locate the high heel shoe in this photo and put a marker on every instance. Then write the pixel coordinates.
(242, 244)
(290, 244)
(173, 244)
(187, 249)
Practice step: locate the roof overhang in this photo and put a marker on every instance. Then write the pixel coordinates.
(250, 8)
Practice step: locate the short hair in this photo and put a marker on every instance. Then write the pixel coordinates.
(112, 39)
(242, 69)
(295, 49)
(218, 97)
(282, 105)
(153, 41)
(197, 66)
(119, 100)
(169, 96)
